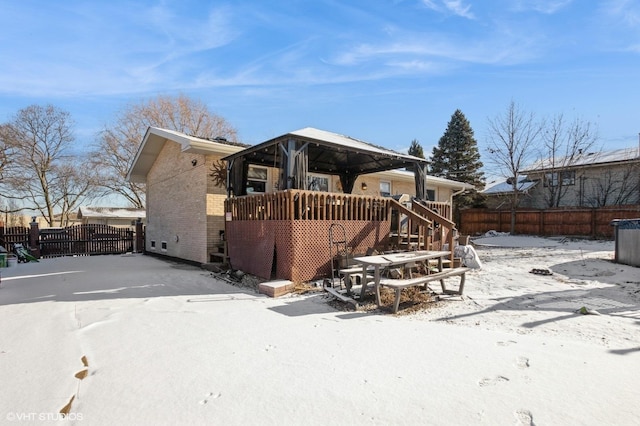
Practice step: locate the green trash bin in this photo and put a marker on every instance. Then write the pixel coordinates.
(3, 260)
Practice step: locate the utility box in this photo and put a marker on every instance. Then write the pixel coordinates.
(627, 241)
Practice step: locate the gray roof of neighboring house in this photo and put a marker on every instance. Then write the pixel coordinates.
(111, 212)
(588, 159)
(505, 187)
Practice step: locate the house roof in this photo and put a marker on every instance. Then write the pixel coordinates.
(436, 181)
(588, 159)
(331, 153)
(505, 187)
(110, 212)
(154, 140)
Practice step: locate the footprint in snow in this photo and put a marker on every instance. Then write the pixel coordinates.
(491, 381)
(524, 418)
(522, 362)
(209, 396)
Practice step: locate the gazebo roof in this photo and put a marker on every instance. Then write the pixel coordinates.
(330, 153)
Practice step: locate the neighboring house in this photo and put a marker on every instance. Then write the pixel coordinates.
(121, 217)
(186, 190)
(57, 219)
(597, 179)
(498, 194)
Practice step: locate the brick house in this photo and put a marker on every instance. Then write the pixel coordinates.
(185, 208)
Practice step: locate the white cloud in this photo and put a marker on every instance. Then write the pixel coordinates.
(548, 7)
(107, 50)
(624, 11)
(455, 7)
(499, 48)
(459, 9)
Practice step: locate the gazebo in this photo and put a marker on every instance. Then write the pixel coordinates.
(284, 234)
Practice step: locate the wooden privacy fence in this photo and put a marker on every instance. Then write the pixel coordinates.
(594, 223)
(78, 240)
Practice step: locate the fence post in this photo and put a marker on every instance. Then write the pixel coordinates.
(139, 236)
(34, 238)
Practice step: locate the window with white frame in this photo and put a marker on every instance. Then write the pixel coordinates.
(256, 179)
(565, 177)
(316, 182)
(385, 188)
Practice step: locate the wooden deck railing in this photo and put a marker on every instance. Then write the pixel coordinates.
(445, 228)
(308, 205)
(296, 204)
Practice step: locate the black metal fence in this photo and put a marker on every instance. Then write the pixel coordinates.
(14, 235)
(77, 240)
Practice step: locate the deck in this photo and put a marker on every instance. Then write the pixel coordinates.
(285, 234)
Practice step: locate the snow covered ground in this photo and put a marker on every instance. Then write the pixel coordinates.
(166, 343)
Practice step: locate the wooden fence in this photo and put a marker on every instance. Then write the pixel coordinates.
(594, 223)
(78, 240)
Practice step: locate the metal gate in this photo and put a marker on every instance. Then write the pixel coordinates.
(85, 240)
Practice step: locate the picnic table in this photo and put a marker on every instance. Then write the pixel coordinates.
(404, 260)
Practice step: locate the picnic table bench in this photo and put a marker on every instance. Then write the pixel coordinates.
(399, 284)
(355, 271)
(404, 260)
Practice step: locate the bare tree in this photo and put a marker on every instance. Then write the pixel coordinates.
(511, 141)
(118, 143)
(5, 149)
(614, 187)
(11, 214)
(75, 183)
(564, 145)
(38, 169)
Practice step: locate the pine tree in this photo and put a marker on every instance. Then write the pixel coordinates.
(457, 158)
(416, 149)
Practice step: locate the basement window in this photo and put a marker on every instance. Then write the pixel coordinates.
(153, 244)
(163, 246)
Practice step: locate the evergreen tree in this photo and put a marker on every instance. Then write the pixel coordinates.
(457, 158)
(416, 149)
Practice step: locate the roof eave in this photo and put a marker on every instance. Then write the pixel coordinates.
(153, 142)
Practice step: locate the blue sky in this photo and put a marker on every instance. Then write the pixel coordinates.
(384, 71)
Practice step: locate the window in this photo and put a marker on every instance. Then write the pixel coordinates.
(385, 188)
(431, 194)
(153, 244)
(553, 179)
(163, 246)
(256, 179)
(318, 182)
